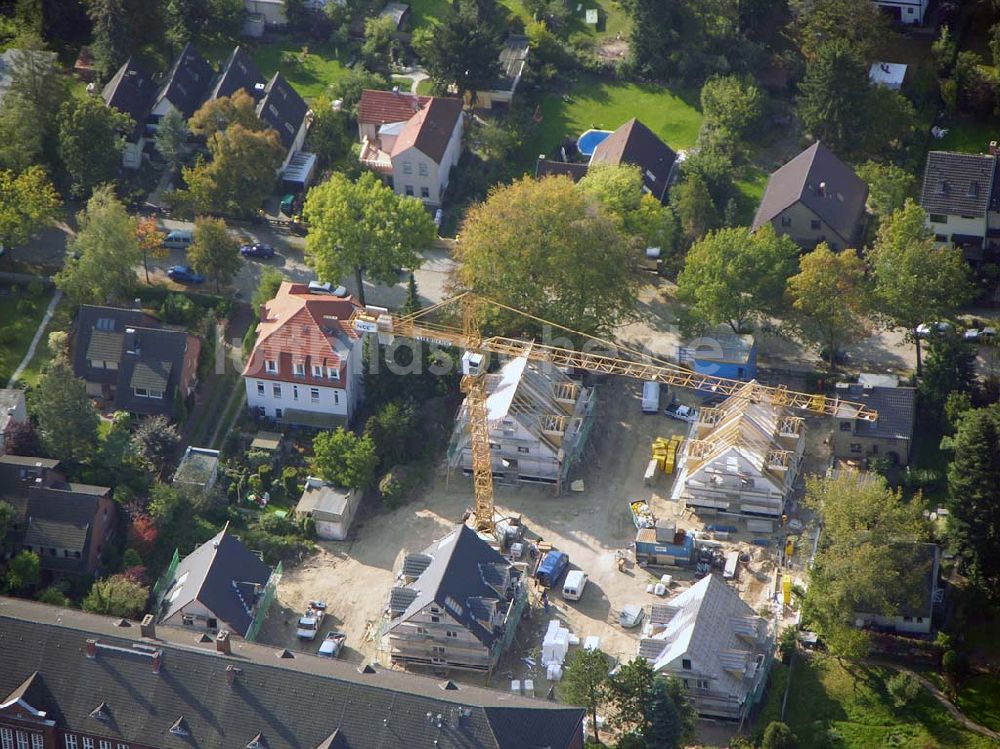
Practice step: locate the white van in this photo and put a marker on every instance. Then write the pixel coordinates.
(178, 239)
(650, 397)
(576, 581)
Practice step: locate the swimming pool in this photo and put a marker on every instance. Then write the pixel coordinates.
(590, 140)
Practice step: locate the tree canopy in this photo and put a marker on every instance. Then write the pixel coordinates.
(28, 204)
(365, 229)
(90, 142)
(641, 216)
(833, 96)
(735, 276)
(460, 50)
(889, 186)
(584, 683)
(67, 423)
(915, 281)
(344, 459)
(216, 115)
(118, 595)
(103, 254)
(545, 247)
(214, 251)
(830, 298)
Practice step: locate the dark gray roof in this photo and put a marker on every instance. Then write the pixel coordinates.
(222, 575)
(109, 323)
(304, 702)
(549, 168)
(634, 143)
(957, 184)
(459, 572)
(821, 182)
(62, 518)
(283, 109)
(896, 408)
(187, 81)
(239, 73)
(131, 91)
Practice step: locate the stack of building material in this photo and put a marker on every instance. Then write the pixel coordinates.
(554, 648)
(665, 452)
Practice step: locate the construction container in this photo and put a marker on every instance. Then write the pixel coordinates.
(663, 547)
(760, 526)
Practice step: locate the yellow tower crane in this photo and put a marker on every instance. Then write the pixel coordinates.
(387, 325)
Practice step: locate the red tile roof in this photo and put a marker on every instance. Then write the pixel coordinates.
(430, 129)
(301, 327)
(382, 107)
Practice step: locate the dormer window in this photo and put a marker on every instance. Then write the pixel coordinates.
(271, 366)
(180, 727)
(317, 370)
(300, 369)
(973, 190)
(942, 187)
(333, 373)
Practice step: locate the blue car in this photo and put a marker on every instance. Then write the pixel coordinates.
(257, 250)
(184, 274)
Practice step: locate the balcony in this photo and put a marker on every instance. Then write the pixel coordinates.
(374, 157)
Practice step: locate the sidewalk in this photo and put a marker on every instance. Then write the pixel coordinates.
(49, 311)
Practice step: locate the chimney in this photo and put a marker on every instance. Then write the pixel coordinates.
(147, 627)
(395, 90)
(822, 189)
(91, 648)
(994, 149)
(222, 642)
(157, 661)
(231, 674)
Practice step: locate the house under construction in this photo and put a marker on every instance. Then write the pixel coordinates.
(539, 422)
(742, 457)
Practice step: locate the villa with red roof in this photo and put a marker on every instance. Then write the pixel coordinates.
(305, 368)
(411, 141)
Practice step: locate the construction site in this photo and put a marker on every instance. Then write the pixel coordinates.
(673, 522)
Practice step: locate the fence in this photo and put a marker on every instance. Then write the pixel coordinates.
(270, 590)
(163, 584)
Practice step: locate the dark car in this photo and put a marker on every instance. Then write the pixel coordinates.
(184, 274)
(257, 250)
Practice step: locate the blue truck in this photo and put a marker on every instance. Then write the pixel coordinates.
(664, 547)
(551, 568)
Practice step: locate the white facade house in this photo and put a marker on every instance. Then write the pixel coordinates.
(305, 367)
(961, 195)
(908, 12)
(715, 644)
(539, 423)
(412, 141)
(742, 457)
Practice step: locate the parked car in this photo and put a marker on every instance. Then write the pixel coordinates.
(178, 239)
(551, 568)
(310, 623)
(977, 335)
(682, 413)
(257, 250)
(289, 204)
(184, 274)
(576, 581)
(332, 645)
(650, 397)
(925, 329)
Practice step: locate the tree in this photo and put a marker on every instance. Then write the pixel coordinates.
(994, 44)
(379, 46)
(830, 297)
(150, 241)
(364, 228)
(100, 265)
(155, 440)
(585, 683)
(344, 459)
(859, 23)
(620, 190)
(240, 175)
(833, 95)
(733, 104)
(90, 142)
(672, 716)
(915, 281)
(176, 16)
(735, 276)
(214, 251)
(904, 687)
(54, 596)
(21, 439)
(629, 691)
(412, 302)
(217, 115)
(865, 561)
(541, 247)
(330, 136)
(889, 186)
(694, 207)
(347, 89)
(392, 430)
(973, 488)
(28, 204)
(171, 135)
(67, 423)
(267, 288)
(950, 369)
(23, 572)
(460, 50)
(117, 596)
(778, 735)
(113, 24)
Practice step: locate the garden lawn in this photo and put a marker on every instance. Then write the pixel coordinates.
(312, 75)
(62, 319)
(826, 696)
(967, 135)
(980, 700)
(604, 105)
(18, 328)
(423, 12)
